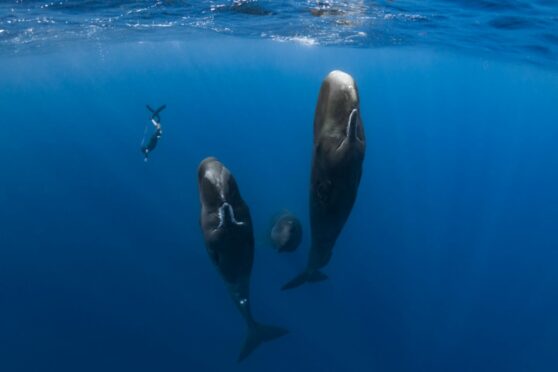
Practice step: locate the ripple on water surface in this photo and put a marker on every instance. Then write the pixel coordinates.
(509, 29)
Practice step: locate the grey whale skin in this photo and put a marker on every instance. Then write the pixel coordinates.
(229, 239)
(338, 154)
(286, 232)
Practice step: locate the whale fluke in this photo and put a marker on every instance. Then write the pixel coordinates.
(258, 334)
(312, 277)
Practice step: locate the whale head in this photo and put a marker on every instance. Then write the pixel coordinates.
(337, 122)
(219, 193)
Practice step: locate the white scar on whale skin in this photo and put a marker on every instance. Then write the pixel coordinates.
(222, 215)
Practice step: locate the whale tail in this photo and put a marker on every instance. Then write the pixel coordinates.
(307, 276)
(258, 334)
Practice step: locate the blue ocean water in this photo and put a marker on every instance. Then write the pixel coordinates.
(447, 262)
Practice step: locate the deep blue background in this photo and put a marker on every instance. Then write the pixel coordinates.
(447, 263)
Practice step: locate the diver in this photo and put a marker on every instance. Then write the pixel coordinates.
(156, 121)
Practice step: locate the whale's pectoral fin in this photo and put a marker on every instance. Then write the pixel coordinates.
(312, 277)
(257, 334)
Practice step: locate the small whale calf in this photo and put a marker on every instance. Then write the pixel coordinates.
(339, 146)
(286, 232)
(229, 239)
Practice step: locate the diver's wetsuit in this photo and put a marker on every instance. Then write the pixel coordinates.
(152, 142)
(156, 121)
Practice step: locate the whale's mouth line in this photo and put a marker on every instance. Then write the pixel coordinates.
(226, 207)
(351, 126)
(351, 130)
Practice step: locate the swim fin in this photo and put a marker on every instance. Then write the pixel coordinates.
(159, 109)
(155, 112)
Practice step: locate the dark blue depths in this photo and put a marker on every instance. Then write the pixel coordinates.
(447, 263)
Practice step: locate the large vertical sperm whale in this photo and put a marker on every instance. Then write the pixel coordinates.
(229, 239)
(339, 146)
